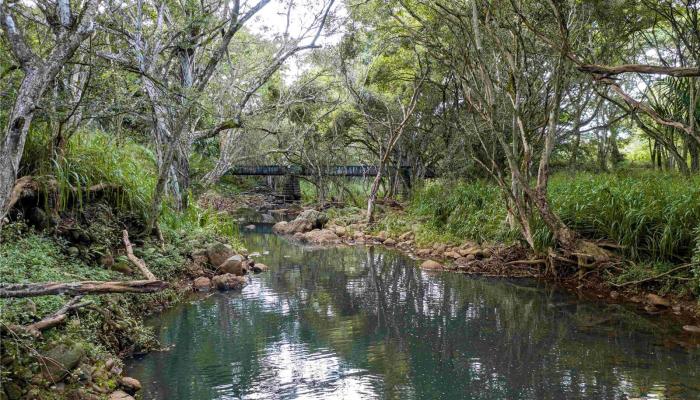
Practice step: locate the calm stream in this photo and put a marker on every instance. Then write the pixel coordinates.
(358, 322)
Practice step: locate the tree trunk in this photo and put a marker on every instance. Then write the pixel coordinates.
(373, 194)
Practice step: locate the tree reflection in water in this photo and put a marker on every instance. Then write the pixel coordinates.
(364, 322)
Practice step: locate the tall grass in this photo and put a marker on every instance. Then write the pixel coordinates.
(462, 210)
(651, 214)
(94, 157)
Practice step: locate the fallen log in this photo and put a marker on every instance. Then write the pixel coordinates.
(140, 264)
(80, 288)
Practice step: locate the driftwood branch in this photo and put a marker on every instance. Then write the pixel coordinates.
(137, 261)
(79, 288)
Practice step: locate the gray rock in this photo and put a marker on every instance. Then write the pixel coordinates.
(218, 253)
(58, 361)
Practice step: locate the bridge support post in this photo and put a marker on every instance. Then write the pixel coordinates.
(291, 189)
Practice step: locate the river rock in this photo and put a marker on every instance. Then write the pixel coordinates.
(692, 328)
(131, 385)
(250, 227)
(464, 261)
(358, 235)
(228, 282)
(259, 267)
(390, 242)
(58, 361)
(439, 248)
(322, 236)
(657, 300)
(218, 253)
(268, 219)
(452, 254)
(316, 218)
(120, 395)
(233, 265)
(292, 227)
(340, 231)
(406, 236)
(423, 252)
(202, 283)
(430, 264)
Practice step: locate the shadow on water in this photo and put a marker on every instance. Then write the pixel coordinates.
(358, 322)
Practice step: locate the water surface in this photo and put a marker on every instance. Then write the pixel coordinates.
(359, 322)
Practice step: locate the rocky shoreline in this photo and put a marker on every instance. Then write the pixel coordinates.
(491, 260)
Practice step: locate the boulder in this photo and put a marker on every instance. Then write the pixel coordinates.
(423, 252)
(464, 261)
(234, 265)
(202, 283)
(439, 248)
(390, 242)
(58, 361)
(322, 236)
(290, 228)
(268, 219)
(316, 218)
(130, 385)
(452, 254)
(122, 267)
(382, 236)
(218, 253)
(657, 300)
(228, 282)
(120, 395)
(430, 264)
(340, 231)
(358, 235)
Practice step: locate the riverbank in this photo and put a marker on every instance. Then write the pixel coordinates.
(505, 260)
(81, 354)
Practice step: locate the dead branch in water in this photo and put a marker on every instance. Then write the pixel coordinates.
(137, 261)
(80, 288)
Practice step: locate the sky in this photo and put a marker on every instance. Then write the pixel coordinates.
(272, 19)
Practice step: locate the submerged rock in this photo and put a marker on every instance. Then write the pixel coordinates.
(321, 236)
(430, 264)
(228, 282)
(259, 267)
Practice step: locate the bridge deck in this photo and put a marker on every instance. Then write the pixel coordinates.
(267, 170)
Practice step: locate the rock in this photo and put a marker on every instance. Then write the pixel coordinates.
(73, 251)
(290, 228)
(692, 328)
(340, 231)
(234, 265)
(390, 242)
(202, 283)
(268, 219)
(657, 300)
(381, 236)
(423, 252)
(439, 248)
(614, 295)
(218, 253)
(120, 395)
(322, 236)
(228, 282)
(58, 361)
(463, 261)
(430, 264)
(406, 236)
(316, 218)
(452, 254)
(131, 385)
(358, 235)
(250, 227)
(259, 267)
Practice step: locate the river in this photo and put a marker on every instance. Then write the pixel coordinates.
(363, 322)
